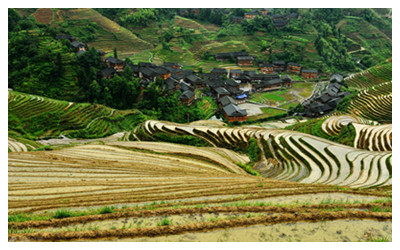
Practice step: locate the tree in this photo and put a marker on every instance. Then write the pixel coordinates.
(115, 53)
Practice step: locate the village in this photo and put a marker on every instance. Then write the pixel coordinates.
(229, 88)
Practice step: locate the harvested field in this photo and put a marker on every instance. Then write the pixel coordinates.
(369, 135)
(296, 156)
(129, 190)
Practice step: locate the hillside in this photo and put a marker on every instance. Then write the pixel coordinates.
(176, 36)
(37, 117)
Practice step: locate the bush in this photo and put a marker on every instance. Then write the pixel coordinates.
(62, 214)
(106, 210)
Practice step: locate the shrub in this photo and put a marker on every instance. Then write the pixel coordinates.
(62, 213)
(106, 210)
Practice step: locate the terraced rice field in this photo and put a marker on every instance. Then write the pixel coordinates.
(290, 155)
(96, 120)
(114, 36)
(371, 77)
(128, 190)
(374, 103)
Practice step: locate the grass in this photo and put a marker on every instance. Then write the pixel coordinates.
(164, 222)
(62, 213)
(378, 239)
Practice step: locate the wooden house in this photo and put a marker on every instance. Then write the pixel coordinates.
(219, 71)
(162, 72)
(187, 97)
(265, 11)
(172, 65)
(245, 60)
(221, 92)
(106, 73)
(250, 15)
(195, 81)
(78, 46)
(269, 85)
(309, 73)
(279, 66)
(226, 100)
(294, 67)
(235, 73)
(266, 68)
(233, 113)
(237, 19)
(115, 63)
(287, 81)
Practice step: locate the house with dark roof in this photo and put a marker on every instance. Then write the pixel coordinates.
(237, 19)
(232, 83)
(185, 86)
(146, 64)
(264, 77)
(226, 100)
(195, 81)
(294, 67)
(233, 113)
(279, 66)
(243, 78)
(172, 65)
(265, 11)
(235, 73)
(135, 69)
(219, 71)
(115, 63)
(221, 92)
(309, 73)
(162, 72)
(338, 78)
(171, 85)
(287, 81)
(266, 68)
(245, 60)
(187, 97)
(269, 85)
(148, 73)
(106, 73)
(250, 15)
(78, 46)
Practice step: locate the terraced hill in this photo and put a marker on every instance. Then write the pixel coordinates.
(128, 190)
(112, 35)
(371, 137)
(289, 155)
(374, 103)
(36, 116)
(371, 77)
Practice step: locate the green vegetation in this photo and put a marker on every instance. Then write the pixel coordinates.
(314, 127)
(181, 139)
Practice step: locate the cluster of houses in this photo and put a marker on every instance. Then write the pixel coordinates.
(228, 88)
(325, 100)
(242, 58)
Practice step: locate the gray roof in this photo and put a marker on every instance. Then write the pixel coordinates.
(278, 62)
(274, 81)
(77, 44)
(245, 58)
(219, 70)
(309, 70)
(336, 78)
(114, 60)
(187, 94)
(234, 110)
(294, 64)
(266, 65)
(222, 91)
(286, 77)
(226, 100)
